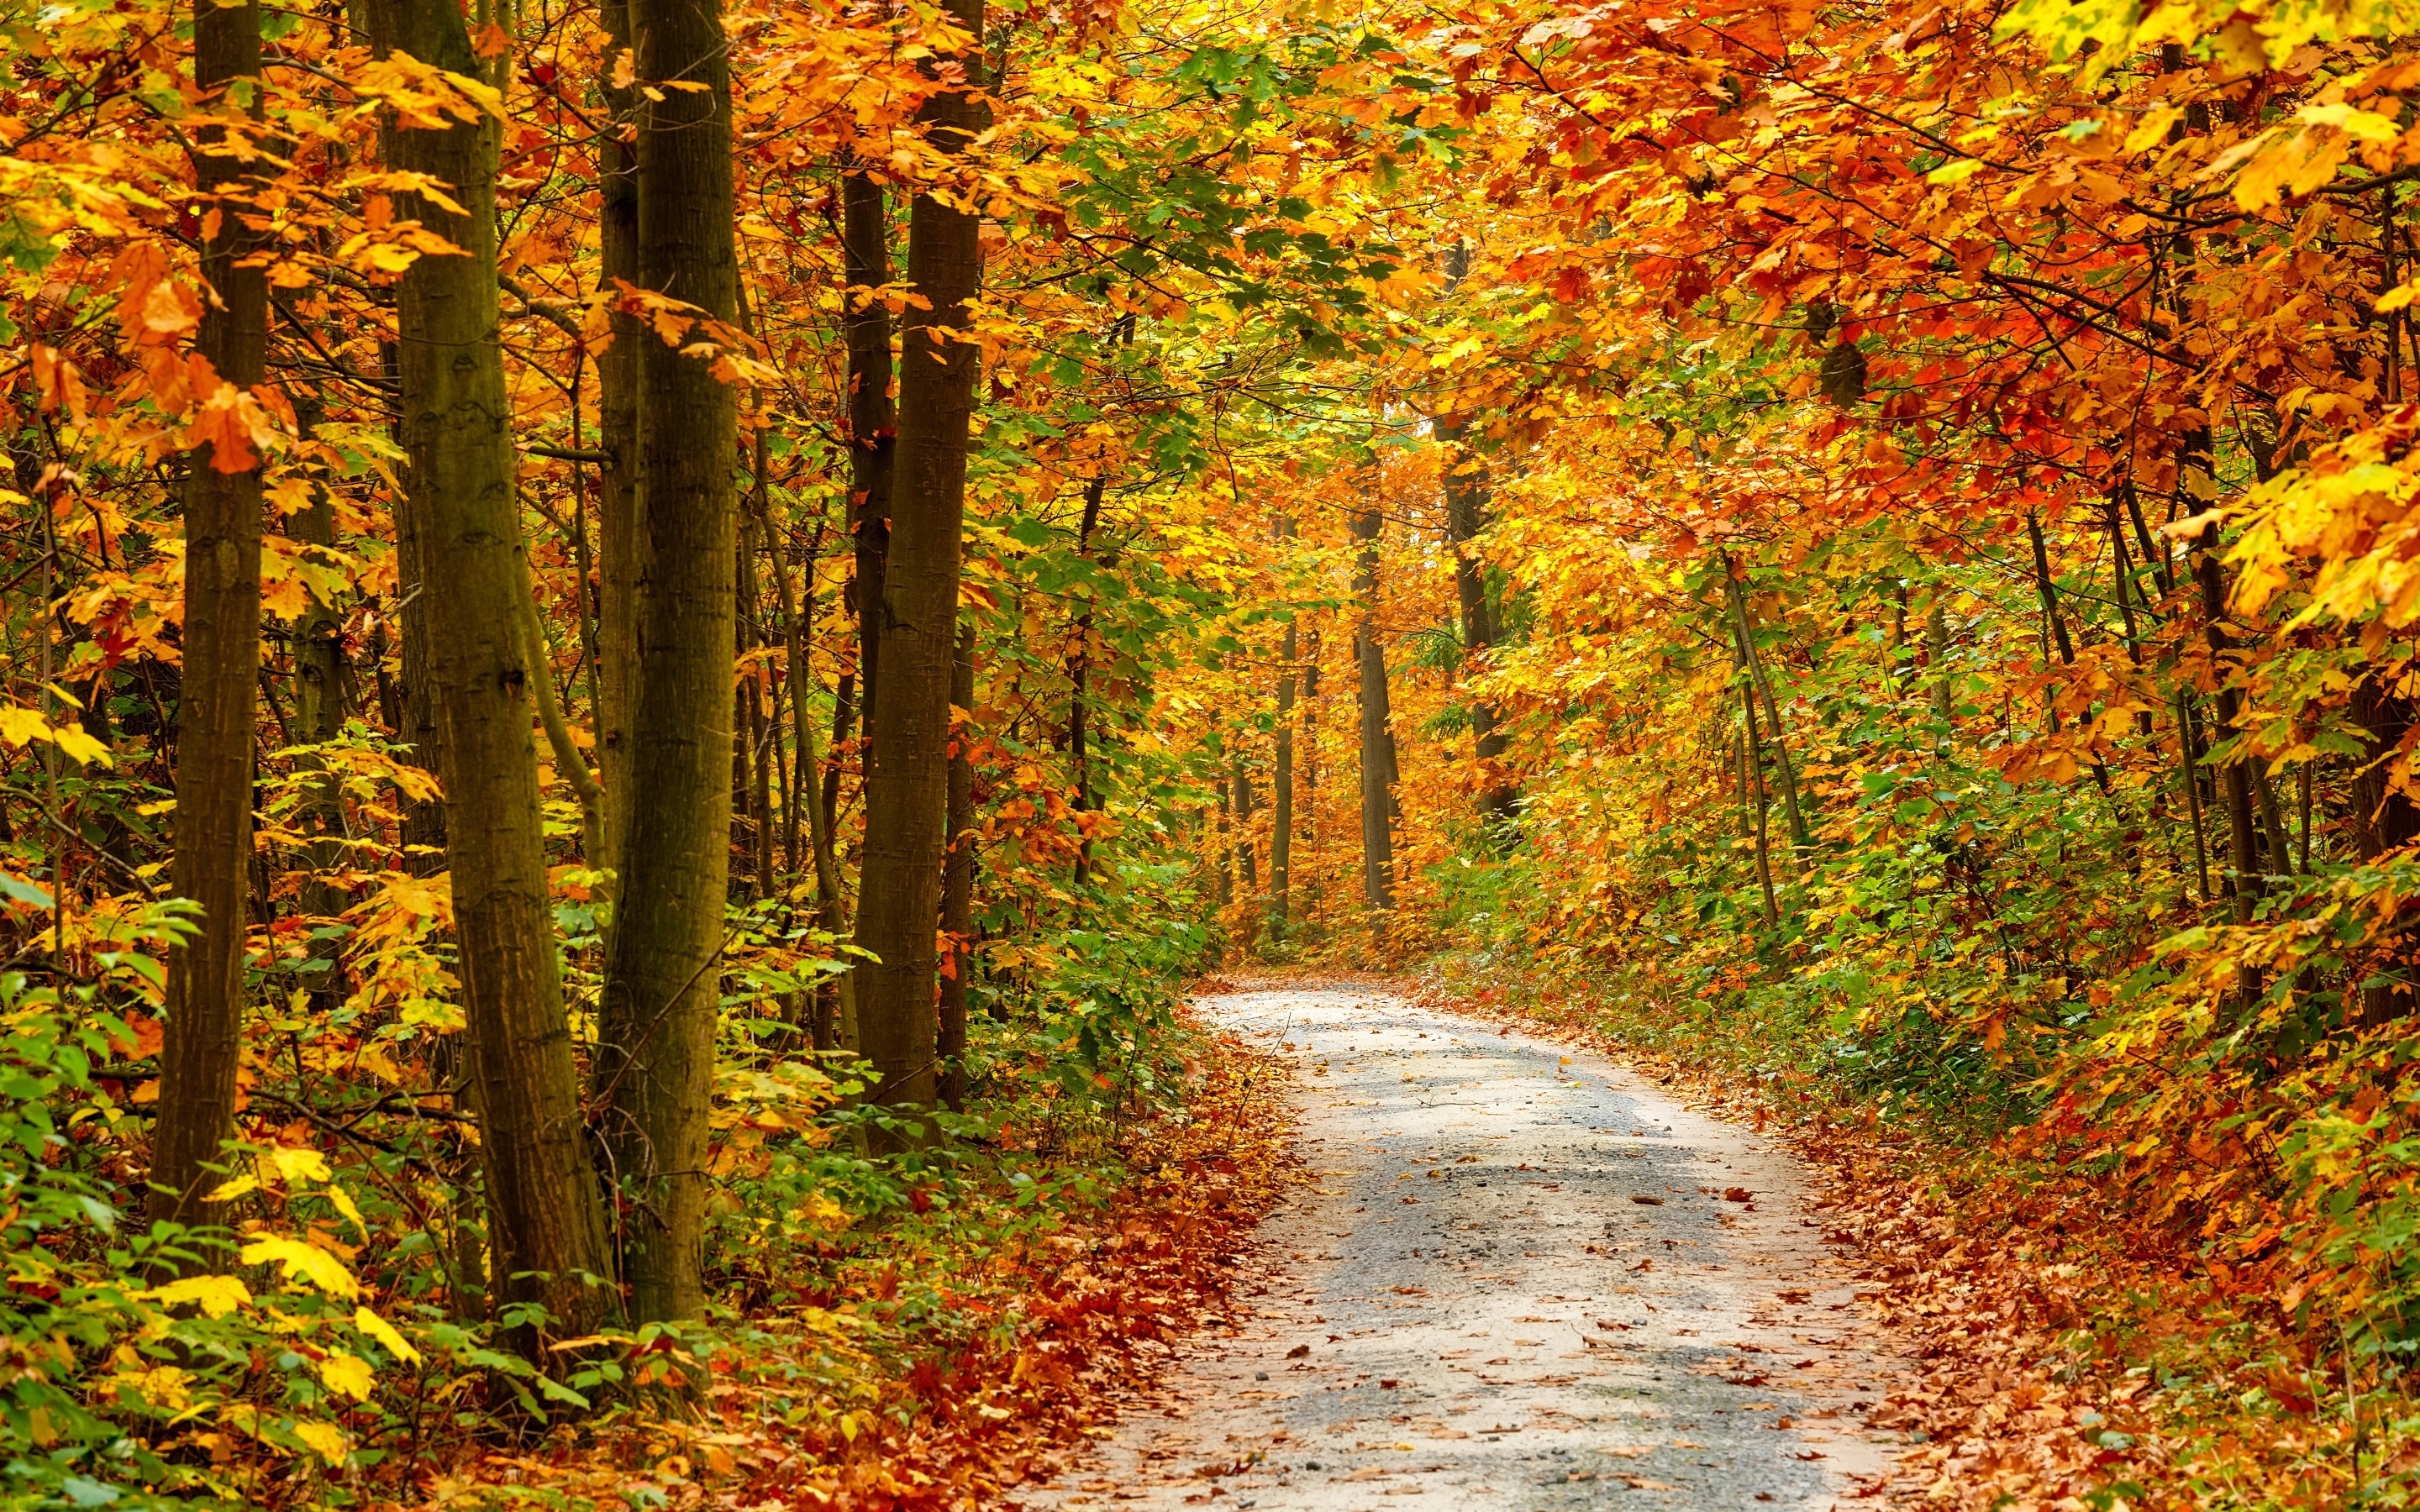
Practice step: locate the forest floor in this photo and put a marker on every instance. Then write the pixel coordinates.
(1518, 1273)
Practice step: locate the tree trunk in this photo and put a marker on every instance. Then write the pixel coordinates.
(1282, 793)
(222, 668)
(832, 908)
(1936, 656)
(872, 420)
(2385, 820)
(547, 1224)
(1377, 735)
(907, 792)
(654, 1062)
(844, 716)
(1760, 683)
(751, 761)
(618, 424)
(2235, 779)
(1226, 847)
(1752, 761)
(1247, 860)
(320, 707)
(1465, 505)
(2047, 588)
(958, 878)
(1079, 661)
(2189, 744)
(1311, 746)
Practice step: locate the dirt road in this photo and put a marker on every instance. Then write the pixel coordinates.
(1518, 1281)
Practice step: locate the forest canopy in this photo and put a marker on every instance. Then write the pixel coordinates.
(645, 643)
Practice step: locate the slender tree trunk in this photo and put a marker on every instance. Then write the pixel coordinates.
(2048, 589)
(2128, 591)
(547, 1222)
(2189, 743)
(2305, 783)
(958, 877)
(1311, 746)
(831, 908)
(654, 1062)
(1378, 737)
(1936, 655)
(222, 668)
(872, 419)
(2279, 857)
(907, 795)
(751, 763)
(773, 769)
(2385, 822)
(1226, 846)
(569, 763)
(1247, 860)
(1760, 683)
(1752, 759)
(1465, 507)
(620, 430)
(844, 716)
(2235, 778)
(422, 825)
(1080, 662)
(2155, 554)
(1281, 793)
(320, 707)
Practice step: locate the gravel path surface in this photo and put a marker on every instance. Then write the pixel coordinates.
(1515, 1281)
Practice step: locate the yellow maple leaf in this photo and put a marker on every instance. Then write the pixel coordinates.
(346, 1374)
(326, 1439)
(215, 1295)
(298, 1261)
(383, 1331)
(297, 1163)
(80, 745)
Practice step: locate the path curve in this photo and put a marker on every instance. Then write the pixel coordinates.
(1514, 1281)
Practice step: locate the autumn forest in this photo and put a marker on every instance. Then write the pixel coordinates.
(661, 656)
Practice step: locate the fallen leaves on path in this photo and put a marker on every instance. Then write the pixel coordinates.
(1097, 1297)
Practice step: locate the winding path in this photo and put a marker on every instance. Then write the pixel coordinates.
(1515, 1281)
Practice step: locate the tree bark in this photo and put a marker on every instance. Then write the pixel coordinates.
(1466, 506)
(620, 430)
(2047, 588)
(1936, 656)
(1247, 860)
(320, 707)
(2235, 781)
(1079, 663)
(958, 877)
(906, 794)
(655, 1062)
(831, 908)
(1377, 734)
(1282, 793)
(873, 417)
(752, 761)
(2385, 820)
(2189, 745)
(222, 668)
(546, 1223)
(1760, 683)
(1752, 761)
(1226, 848)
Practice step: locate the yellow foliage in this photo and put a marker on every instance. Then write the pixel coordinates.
(215, 1295)
(298, 1261)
